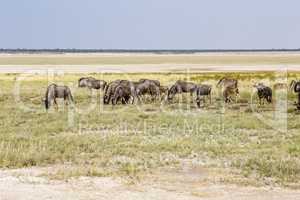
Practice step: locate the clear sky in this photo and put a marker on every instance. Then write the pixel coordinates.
(150, 24)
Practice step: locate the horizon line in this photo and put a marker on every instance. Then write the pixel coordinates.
(92, 50)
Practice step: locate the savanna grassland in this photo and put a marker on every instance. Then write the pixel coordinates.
(256, 142)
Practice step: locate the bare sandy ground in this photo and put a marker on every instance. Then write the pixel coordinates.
(144, 68)
(184, 184)
(149, 62)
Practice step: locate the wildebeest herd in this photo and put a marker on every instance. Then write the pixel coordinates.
(125, 92)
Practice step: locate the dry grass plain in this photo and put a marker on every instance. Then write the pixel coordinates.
(239, 144)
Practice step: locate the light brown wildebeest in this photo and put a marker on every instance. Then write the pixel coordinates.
(229, 88)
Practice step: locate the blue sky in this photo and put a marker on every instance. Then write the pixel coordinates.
(150, 24)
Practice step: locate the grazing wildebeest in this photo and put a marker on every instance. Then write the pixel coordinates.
(181, 87)
(203, 90)
(295, 87)
(122, 93)
(146, 87)
(111, 88)
(91, 83)
(54, 91)
(264, 93)
(229, 87)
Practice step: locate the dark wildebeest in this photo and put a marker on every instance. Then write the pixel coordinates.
(122, 93)
(111, 88)
(92, 83)
(295, 87)
(181, 87)
(263, 93)
(229, 87)
(203, 90)
(54, 91)
(146, 87)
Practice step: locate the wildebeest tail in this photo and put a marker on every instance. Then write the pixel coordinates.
(209, 90)
(270, 96)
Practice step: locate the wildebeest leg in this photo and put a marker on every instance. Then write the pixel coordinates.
(158, 96)
(114, 101)
(209, 98)
(55, 103)
(225, 96)
(259, 101)
(66, 99)
(178, 90)
(139, 98)
(133, 99)
(198, 102)
(127, 99)
(191, 95)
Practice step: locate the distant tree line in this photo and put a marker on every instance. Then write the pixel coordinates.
(156, 51)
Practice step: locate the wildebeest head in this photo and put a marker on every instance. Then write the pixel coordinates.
(172, 92)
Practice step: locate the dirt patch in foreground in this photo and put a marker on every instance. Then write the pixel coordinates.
(186, 183)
